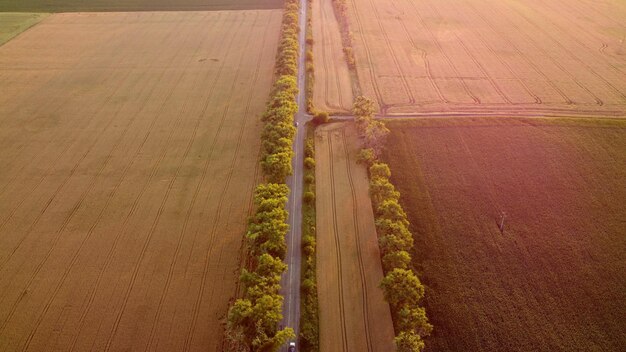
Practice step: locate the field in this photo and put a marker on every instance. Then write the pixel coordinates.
(333, 86)
(12, 24)
(352, 312)
(134, 5)
(130, 149)
(554, 56)
(555, 279)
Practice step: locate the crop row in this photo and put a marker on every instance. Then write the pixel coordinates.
(401, 287)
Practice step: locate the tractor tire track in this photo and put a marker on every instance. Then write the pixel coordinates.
(342, 314)
(357, 237)
(405, 83)
(557, 64)
(196, 309)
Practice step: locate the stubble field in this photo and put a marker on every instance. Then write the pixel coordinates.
(129, 153)
(333, 84)
(555, 56)
(555, 279)
(352, 312)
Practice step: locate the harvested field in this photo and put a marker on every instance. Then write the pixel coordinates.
(353, 314)
(555, 279)
(333, 85)
(12, 24)
(552, 56)
(135, 5)
(130, 150)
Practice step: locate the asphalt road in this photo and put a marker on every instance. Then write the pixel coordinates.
(290, 284)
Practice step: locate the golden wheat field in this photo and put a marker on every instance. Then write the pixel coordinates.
(519, 57)
(129, 154)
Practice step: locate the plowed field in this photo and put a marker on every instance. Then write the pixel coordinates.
(129, 153)
(353, 314)
(555, 279)
(333, 86)
(492, 56)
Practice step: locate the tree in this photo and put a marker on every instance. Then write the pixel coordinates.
(390, 209)
(309, 163)
(376, 135)
(381, 190)
(363, 107)
(320, 117)
(408, 341)
(366, 156)
(402, 287)
(277, 166)
(380, 170)
(413, 318)
(396, 259)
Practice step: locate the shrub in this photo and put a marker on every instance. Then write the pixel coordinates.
(309, 163)
(366, 156)
(309, 197)
(320, 118)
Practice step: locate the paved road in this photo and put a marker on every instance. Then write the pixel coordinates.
(291, 279)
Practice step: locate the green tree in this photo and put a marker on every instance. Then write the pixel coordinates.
(380, 170)
(396, 259)
(363, 107)
(390, 209)
(408, 342)
(402, 287)
(413, 318)
(277, 166)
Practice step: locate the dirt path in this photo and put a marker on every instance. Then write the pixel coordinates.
(353, 314)
(127, 175)
(333, 89)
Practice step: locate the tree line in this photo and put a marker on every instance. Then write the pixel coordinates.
(253, 319)
(279, 131)
(401, 287)
(309, 321)
(252, 322)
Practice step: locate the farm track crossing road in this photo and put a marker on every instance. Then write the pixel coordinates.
(291, 279)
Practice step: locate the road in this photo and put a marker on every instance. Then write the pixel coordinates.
(290, 283)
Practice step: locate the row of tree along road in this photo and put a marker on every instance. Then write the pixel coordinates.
(401, 287)
(253, 319)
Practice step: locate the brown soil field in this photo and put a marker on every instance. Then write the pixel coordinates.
(555, 56)
(352, 312)
(555, 279)
(333, 86)
(130, 149)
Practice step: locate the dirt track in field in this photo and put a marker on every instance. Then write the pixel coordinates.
(333, 86)
(484, 56)
(353, 314)
(129, 152)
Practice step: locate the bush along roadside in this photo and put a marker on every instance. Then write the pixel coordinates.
(252, 322)
(279, 131)
(401, 286)
(309, 319)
